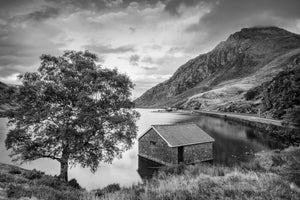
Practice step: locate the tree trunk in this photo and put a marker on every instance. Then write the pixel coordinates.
(64, 165)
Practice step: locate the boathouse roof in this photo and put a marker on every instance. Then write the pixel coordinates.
(181, 134)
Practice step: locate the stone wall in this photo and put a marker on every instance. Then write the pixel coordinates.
(160, 151)
(197, 153)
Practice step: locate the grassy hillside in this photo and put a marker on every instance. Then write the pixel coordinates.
(16, 182)
(276, 98)
(271, 175)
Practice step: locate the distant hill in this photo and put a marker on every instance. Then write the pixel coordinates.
(5, 91)
(2, 86)
(213, 80)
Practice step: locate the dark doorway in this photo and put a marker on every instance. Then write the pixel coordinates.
(180, 154)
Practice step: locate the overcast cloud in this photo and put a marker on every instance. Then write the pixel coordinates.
(147, 39)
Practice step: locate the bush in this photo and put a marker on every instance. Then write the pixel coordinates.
(17, 191)
(15, 171)
(108, 189)
(74, 184)
(6, 178)
(250, 94)
(49, 181)
(33, 174)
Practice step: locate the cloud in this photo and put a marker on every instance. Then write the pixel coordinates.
(109, 49)
(21, 46)
(146, 82)
(134, 59)
(173, 6)
(45, 13)
(224, 17)
(133, 30)
(149, 68)
(148, 59)
(11, 79)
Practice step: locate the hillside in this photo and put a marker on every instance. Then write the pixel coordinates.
(245, 60)
(19, 183)
(3, 86)
(270, 175)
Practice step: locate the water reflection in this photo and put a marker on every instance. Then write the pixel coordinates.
(233, 143)
(146, 167)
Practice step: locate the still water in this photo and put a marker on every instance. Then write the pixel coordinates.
(233, 143)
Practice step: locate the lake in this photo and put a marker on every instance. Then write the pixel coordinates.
(233, 143)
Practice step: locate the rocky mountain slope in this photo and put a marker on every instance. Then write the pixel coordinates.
(3, 86)
(213, 80)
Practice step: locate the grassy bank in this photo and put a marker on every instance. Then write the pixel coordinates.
(16, 182)
(271, 175)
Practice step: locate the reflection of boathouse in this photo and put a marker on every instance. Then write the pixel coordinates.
(173, 144)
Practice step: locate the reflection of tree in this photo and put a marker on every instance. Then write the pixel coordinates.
(263, 138)
(251, 134)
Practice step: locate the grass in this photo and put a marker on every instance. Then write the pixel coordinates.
(18, 182)
(270, 175)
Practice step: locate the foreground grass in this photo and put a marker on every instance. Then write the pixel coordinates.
(271, 175)
(18, 182)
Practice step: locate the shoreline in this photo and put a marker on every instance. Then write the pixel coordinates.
(245, 119)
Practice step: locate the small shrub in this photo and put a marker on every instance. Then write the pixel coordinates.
(74, 184)
(229, 193)
(15, 171)
(52, 182)
(112, 188)
(17, 191)
(33, 174)
(6, 178)
(108, 189)
(277, 160)
(250, 94)
(138, 190)
(252, 165)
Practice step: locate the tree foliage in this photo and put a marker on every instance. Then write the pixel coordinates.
(72, 111)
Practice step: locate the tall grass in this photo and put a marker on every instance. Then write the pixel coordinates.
(271, 175)
(268, 176)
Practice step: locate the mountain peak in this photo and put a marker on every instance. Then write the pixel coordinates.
(259, 32)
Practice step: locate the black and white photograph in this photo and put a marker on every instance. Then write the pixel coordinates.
(149, 99)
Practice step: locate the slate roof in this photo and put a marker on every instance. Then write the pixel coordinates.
(182, 134)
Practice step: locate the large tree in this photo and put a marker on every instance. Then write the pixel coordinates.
(72, 111)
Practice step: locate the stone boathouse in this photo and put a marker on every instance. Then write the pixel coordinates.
(173, 144)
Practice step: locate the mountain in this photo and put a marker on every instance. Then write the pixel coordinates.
(2, 86)
(213, 80)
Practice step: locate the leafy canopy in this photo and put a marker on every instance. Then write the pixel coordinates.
(72, 109)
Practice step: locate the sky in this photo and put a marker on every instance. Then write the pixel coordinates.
(145, 39)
